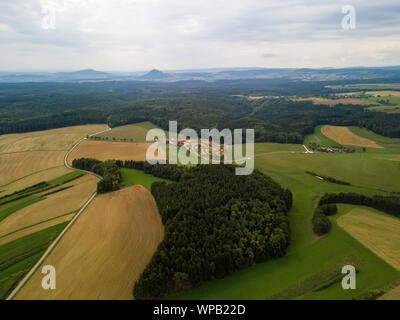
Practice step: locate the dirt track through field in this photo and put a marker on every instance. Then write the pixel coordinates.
(345, 137)
(105, 250)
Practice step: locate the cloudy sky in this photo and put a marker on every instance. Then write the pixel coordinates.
(130, 35)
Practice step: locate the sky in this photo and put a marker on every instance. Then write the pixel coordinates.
(129, 35)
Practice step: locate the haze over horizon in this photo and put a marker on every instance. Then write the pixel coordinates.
(141, 35)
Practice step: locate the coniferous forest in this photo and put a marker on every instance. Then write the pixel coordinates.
(215, 223)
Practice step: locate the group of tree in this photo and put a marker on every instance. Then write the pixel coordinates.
(108, 169)
(216, 222)
(330, 179)
(320, 221)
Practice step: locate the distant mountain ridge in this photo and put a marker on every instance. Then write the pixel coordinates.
(155, 75)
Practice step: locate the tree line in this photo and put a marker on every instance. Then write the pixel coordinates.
(389, 204)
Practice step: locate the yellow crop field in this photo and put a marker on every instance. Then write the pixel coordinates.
(30, 180)
(53, 206)
(334, 102)
(380, 233)
(49, 140)
(344, 136)
(21, 164)
(102, 150)
(384, 93)
(105, 250)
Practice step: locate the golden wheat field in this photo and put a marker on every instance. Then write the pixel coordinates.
(378, 232)
(49, 140)
(345, 137)
(53, 206)
(102, 150)
(334, 102)
(105, 250)
(21, 164)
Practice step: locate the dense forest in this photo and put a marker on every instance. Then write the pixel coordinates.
(31, 107)
(215, 223)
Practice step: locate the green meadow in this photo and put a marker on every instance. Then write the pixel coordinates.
(132, 176)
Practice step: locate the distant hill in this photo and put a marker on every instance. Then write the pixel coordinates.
(156, 75)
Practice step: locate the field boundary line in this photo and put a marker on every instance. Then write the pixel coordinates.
(55, 242)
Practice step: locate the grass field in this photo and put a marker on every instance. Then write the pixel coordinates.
(19, 256)
(377, 231)
(308, 255)
(105, 251)
(129, 133)
(344, 136)
(131, 177)
(320, 139)
(103, 150)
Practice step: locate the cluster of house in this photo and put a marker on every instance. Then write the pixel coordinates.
(335, 149)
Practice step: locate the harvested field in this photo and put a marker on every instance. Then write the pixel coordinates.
(345, 137)
(384, 93)
(378, 232)
(391, 295)
(55, 205)
(21, 164)
(105, 250)
(107, 151)
(334, 102)
(55, 139)
(45, 175)
(35, 228)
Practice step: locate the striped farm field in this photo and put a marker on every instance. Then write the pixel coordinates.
(377, 231)
(102, 150)
(106, 249)
(35, 228)
(34, 178)
(344, 136)
(52, 206)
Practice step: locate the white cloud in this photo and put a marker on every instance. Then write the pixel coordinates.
(171, 34)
